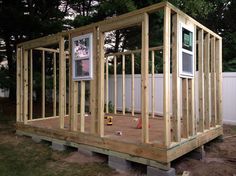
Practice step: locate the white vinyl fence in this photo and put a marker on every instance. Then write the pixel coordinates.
(229, 94)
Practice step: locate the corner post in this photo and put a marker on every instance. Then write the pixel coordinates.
(18, 93)
(166, 75)
(93, 86)
(219, 80)
(26, 88)
(100, 112)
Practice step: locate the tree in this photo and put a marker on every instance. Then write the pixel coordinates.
(24, 20)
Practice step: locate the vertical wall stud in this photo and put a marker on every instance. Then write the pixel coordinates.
(144, 79)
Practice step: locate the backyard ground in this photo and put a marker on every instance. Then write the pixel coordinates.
(20, 156)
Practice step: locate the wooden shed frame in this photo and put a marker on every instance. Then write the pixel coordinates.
(178, 140)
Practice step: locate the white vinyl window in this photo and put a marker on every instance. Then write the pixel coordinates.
(82, 52)
(186, 51)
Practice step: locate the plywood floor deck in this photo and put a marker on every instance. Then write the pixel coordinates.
(127, 125)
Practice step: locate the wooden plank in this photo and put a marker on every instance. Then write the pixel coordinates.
(185, 108)
(115, 85)
(18, 90)
(148, 151)
(176, 122)
(31, 86)
(207, 80)
(191, 107)
(43, 84)
(74, 106)
(73, 93)
(65, 86)
(201, 125)
(47, 49)
(166, 75)
(107, 87)
(195, 142)
(82, 106)
(132, 84)
(43, 41)
(219, 80)
(153, 83)
(100, 74)
(144, 80)
(54, 84)
(26, 88)
(213, 83)
(156, 48)
(22, 85)
(93, 86)
(62, 83)
(119, 24)
(123, 85)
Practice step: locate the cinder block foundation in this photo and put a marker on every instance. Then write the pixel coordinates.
(36, 139)
(198, 154)
(153, 171)
(85, 151)
(58, 146)
(119, 164)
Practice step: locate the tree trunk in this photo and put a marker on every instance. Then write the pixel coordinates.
(11, 68)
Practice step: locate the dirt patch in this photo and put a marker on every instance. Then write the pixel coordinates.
(220, 157)
(77, 157)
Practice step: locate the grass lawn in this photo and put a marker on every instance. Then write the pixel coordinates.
(20, 156)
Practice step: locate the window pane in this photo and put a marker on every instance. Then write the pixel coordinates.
(81, 48)
(82, 67)
(187, 39)
(187, 63)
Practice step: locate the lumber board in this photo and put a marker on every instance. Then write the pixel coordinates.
(123, 85)
(166, 75)
(31, 86)
(201, 123)
(82, 106)
(153, 83)
(94, 86)
(26, 87)
(62, 83)
(196, 141)
(47, 49)
(100, 74)
(73, 93)
(107, 86)
(18, 90)
(132, 84)
(185, 108)
(144, 79)
(219, 80)
(39, 42)
(156, 48)
(115, 85)
(207, 80)
(54, 84)
(191, 107)
(213, 83)
(176, 123)
(43, 84)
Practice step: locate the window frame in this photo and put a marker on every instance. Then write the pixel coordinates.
(90, 57)
(182, 73)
